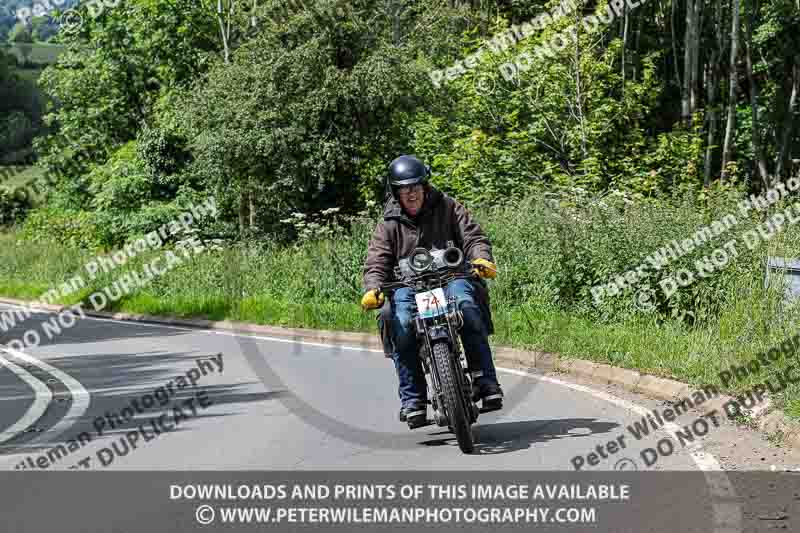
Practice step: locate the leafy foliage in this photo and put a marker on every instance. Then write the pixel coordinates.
(12, 207)
(115, 70)
(72, 228)
(289, 112)
(20, 33)
(21, 109)
(300, 107)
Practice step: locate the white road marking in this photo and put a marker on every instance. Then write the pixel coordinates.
(727, 509)
(80, 396)
(705, 462)
(725, 504)
(213, 331)
(42, 398)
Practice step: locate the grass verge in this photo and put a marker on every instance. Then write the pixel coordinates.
(287, 287)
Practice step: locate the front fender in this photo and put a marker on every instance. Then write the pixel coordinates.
(439, 333)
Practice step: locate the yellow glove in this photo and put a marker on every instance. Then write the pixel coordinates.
(486, 269)
(372, 300)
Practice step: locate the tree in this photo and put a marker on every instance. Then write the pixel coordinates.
(713, 81)
(230, 19)
(20, 33)
(300, 105)
(21, 110)
(789, 119)
(691, 51)
(42, 30)
(115, 74)
(776, 41)
(727, 150)
(761, 163)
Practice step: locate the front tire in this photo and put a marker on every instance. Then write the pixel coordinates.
(453, 397)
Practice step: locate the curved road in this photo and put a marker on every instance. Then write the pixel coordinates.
(294, 405)
(100, 396)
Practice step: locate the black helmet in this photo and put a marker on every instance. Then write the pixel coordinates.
(407, 170)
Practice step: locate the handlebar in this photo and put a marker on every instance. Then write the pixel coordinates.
(446, 277)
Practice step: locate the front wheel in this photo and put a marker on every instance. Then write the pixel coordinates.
(453, 397)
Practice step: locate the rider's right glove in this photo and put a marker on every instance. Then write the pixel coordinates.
(372, 300)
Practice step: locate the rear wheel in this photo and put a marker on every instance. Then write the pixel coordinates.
(453, 397)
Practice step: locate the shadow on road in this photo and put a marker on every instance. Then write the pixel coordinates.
(506, 437)
(119, 380)
(85, 331)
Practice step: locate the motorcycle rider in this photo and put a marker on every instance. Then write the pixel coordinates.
(418, 215)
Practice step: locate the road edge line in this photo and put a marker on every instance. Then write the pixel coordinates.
(42, 398)
(767, 422)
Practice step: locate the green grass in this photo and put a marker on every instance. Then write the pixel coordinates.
(316, 285)
(30, 74)
(21, 290)
(267, 287)
(37, 53)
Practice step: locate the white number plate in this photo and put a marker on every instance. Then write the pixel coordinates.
(431, 303)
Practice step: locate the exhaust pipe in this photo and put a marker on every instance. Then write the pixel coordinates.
(453, 257)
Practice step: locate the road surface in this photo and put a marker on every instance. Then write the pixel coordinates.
(106, 395)
(278, 404)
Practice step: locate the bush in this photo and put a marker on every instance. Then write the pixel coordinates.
(76, 229)
(162, 153)
(12, 207)
(554, 249)
(116, 226)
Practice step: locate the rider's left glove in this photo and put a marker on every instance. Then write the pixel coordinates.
(372, 300)
(485, 268)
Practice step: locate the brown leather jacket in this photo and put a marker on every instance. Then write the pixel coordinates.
(441, 219)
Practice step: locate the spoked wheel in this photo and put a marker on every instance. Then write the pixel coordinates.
(453, 396)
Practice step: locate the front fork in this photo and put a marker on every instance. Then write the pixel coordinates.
(447, 332)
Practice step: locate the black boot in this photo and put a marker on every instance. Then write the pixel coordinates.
(492, 395)
(415, 414)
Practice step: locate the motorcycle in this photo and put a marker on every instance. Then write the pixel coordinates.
(438, 322)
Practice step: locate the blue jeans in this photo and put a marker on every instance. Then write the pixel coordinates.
(474, 338)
